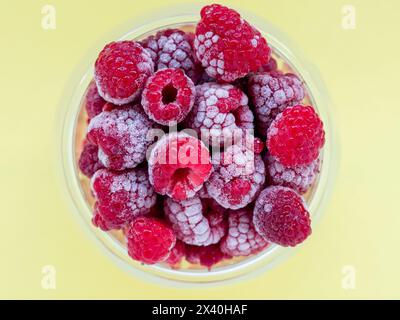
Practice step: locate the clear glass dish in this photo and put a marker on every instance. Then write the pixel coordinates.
(72, 126)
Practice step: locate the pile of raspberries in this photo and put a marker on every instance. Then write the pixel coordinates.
(197, 146)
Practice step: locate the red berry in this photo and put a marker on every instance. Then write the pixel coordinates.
(228, 46)
(197, 222)
(298, 178)
(149, 240)
(177, 254)
(122, 136)
(296, 136)
(121, 196)
(178, 165)
(121, 71)
(271, 93)
(88, 161)
(281, 216)
(93, 101)
(168, 96)
(99, 222)
(207, 256)
(238, 176)
(272, 65)
(172, 48)
(242, 239)
(220, 112)
(258, 145)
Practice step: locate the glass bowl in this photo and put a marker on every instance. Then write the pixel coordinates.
(72, 126)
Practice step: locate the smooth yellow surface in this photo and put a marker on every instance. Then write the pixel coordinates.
(362, 224)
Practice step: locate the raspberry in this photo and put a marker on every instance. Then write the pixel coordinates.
(272, 65)
(121, 71)
(168, 96)
(238, 176)
(88, 161)
(271, 93)
(121, 135)
(172, 48)
(281, 216)
(220, 111)
(100, 222)
(178, 165)
(228, 46)
(149, 240)
(258, 145)
(121, 196)
(177, 253)
(195, 221)
(296, 136)
(298, 178)
(93, 101)
(242, 239)
(207, 256)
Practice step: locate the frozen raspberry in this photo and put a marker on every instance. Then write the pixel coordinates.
(172, 48)
(168, 96)
(207, 256)
(272, 65)
(99, 222)
(220, 112)
(281, 216)
(122, 137)
(121, 71)
(228, 46)
(242, 239)
(93, 102)
(271, 93)
(177, 253)
(178, 165)
(258, 145)
(203, 193)
(296, 136)
(298, 178)
(195, 221)
(149, 240)
(238, 176)
(121, 196)
(88, 161)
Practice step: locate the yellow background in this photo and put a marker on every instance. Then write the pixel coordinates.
(362, 222)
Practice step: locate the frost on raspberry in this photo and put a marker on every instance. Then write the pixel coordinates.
(173, 48)
(242, 239)
(238, 176)
(149, 240)
(299, 178)
(228, 46)
(270, 94)
(168, 96)
(207, 256)
(122, 196)
(281, 216)
(178, 165)
(93, 101)
(220, 113)
(296, 136)
(89, 162)
(195, 221)
(122, 136)
(121, 70)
